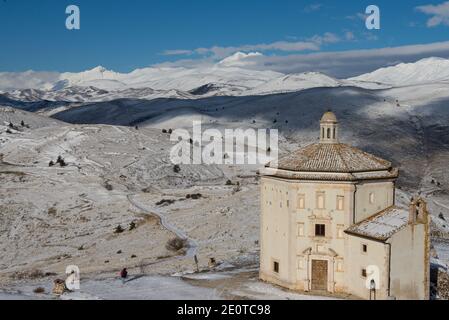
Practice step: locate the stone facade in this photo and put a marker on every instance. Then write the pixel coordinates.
(329, 223)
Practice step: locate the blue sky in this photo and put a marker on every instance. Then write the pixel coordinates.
(124, 35)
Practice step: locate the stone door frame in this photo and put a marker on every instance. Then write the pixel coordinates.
(330, 271)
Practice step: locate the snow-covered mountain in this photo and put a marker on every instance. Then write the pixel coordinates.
(229, 77)
(167, 78)
(428, 70)
(295, 82)
(157, 78)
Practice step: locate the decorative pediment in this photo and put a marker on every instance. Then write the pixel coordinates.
(333, 253)
(307, 251)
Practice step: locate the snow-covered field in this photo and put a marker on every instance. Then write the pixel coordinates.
(119, 174)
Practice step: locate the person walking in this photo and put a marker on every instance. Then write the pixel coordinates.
(124, 275)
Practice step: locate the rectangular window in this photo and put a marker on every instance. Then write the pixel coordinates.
(320, 230)
(301, 201)
(301, 263)
(340, 203)
(300, 229)
(340, 231)
(364, 274)
(364, 248)
(339, 266)
(320, 200)
(276, 266)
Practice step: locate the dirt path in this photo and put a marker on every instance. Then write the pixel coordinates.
(193, 245)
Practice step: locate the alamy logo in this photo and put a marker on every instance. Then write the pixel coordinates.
(372, 21)
(235, 146)
(73, 21)
(372, 278)
(73, 280)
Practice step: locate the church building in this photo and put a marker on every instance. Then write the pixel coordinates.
(329, 224)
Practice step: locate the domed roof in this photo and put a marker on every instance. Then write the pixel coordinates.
(335, 158)
(329, 117)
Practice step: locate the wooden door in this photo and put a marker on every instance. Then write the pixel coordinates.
(319, 275)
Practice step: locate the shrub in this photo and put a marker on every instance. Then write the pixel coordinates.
(39, 290)
(441, 216)
(164, 130)
(229, 183)
(176, 168)
(30, 274)
(108, 186)
(165, 202)
(119, 229)
(176, 244)
(194, 196)
(51, 163)
(132, 226)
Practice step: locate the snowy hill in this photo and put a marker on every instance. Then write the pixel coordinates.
(423, 71)
(157, 78)
(229, 77)
(295, 82)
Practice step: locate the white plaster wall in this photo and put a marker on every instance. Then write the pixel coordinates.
(275, 230)
(383, 196)
(357, 260)
(280, 237)
(410, 268)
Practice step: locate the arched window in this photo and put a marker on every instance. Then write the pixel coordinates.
(320, 200)
(335, 134)
(328, 133)
(372, 198)
(322, 134)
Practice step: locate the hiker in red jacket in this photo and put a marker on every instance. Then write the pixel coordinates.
(124, 274)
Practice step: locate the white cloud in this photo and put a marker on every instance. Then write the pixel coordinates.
(341, 64)
(313, 7)
(328, 37)
(345, 64)
(357, 16)
(177, 52)
(28, 79)
(439, 14)
(218, 52)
